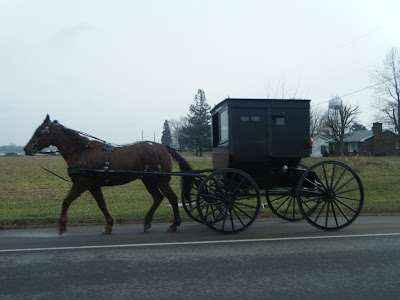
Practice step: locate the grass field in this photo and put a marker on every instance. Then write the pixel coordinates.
(31, 196)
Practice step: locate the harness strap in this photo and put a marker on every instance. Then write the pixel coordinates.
(82, 163)
(108, 148)
(148, 158)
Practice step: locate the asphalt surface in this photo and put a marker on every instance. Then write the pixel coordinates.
(272, 259)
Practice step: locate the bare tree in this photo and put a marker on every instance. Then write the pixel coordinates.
(316, 118)
(387, 89)
(280, 91)
(338, 121)
(176, 127)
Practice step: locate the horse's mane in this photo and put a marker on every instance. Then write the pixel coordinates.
(74, 135)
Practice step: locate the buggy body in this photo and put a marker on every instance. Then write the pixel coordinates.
(263, 137)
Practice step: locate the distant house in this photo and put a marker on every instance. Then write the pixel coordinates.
(320, 145)
(369, 142)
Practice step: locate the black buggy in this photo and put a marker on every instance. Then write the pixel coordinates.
(258, 145)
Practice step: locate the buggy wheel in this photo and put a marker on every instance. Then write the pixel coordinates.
(228, 201)
(330, 195)
(283, 202)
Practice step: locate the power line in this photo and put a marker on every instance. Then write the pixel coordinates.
(355, 92)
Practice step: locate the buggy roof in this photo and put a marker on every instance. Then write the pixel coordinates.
(259, 103)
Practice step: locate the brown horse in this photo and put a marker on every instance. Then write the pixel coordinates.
(82, 153)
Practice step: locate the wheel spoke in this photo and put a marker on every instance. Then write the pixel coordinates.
(284, 201)
(232, 224)
(341, 211)
(279, 198)
(245, 204)
(219, 190)
(313, 199)
(339, 179)
(239, 185)
(327, 215)
(242, 211)
(326, 177)
(320, 211)
(347, 198)
(216, 217)
(344, 204)
(224, 218)
(239, 218)
(347, 182)
(334, 214)
(333, 175)
(288, 206)
(347, 191)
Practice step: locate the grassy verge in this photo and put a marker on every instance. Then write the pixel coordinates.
(29, 195)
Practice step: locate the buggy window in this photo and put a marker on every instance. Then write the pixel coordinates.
(223, 126)
(220, 130)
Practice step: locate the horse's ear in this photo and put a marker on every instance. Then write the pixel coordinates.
(47, 119)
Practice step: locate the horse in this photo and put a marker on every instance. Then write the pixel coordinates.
(82, 153)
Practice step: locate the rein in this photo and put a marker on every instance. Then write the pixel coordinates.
(51, 172)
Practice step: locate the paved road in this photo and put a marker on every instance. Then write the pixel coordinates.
(270, 260)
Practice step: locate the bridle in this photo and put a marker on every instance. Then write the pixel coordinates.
(39, 133)
(46, 130)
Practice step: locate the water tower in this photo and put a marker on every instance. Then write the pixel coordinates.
(335, 103)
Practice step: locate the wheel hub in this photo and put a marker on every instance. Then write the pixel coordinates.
(229, 202)
(330, 195)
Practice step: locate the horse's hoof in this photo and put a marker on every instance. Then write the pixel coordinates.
(62, 231)
(107, 231)
(172, 228)
(146, 227)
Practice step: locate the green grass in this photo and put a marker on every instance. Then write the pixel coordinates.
(29, 195)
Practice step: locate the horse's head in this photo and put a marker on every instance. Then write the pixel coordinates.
(40, 139)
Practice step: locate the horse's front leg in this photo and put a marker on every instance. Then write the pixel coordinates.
(74, 193)
(98, 195)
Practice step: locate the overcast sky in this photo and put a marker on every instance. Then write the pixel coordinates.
(116, 68)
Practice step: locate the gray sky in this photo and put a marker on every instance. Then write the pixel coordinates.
(116, 68)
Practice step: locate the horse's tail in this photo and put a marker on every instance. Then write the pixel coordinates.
(184, 167)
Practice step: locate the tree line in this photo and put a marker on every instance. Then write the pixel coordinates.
(11, 148)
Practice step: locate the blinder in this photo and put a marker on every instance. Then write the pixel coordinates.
(38, 133)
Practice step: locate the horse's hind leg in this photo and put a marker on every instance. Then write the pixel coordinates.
(74, 193)
(98, 195)
(165, 188)
(152, 188)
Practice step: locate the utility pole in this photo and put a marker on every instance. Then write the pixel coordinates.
(143, 136)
